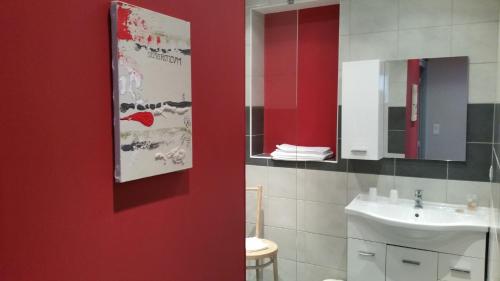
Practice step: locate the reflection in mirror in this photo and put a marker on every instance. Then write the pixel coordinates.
(426, 108)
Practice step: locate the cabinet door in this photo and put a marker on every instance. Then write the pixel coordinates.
(365, 260)
(404, 264)
(459, 268)
(362, 110)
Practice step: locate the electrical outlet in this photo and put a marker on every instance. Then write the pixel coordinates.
(436, 128)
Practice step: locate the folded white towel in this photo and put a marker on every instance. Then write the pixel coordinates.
(298, 159)
(253, 244)
(279, 155)
(307, 155)
(313, 154)
(301, 153)
(294, 148)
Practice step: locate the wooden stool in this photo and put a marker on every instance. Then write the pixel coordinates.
(271, 252)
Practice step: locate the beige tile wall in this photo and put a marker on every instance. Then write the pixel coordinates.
(303, 209)
(304, 212)
(402, 29)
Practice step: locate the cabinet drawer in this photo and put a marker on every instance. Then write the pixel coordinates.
(404, 264)
(365, 260)
(459, 268)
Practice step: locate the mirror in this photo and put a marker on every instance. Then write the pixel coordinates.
(425, 110)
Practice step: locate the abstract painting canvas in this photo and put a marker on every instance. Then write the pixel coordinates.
(151, 92)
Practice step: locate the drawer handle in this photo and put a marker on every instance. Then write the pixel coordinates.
(411, 262)
(461, 270)
(358, 150)
(366, 254)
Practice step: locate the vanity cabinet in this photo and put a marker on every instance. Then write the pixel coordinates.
(368, 258)
(404, 264)
(460, 268)
(378, 251)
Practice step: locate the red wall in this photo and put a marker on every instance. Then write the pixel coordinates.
(318, 76)
(280, 76)
(301, 70)
(61, 215)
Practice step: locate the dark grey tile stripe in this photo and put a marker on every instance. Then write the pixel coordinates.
(477, 166)
(385, 166)
(421, 168)
(396, 142)
(496, 123)
(479, 122)
(480, 128)
(397, 118)
(341, 166)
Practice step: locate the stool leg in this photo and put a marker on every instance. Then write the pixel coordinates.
(257, 271)
(275, 267)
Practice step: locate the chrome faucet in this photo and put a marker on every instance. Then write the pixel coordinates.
(418, 199)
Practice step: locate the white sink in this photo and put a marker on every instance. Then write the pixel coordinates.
(433, 216)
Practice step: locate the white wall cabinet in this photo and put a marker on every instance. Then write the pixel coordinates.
(362, 110)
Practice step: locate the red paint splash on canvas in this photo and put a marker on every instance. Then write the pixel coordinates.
(145, 118)
(123, 19)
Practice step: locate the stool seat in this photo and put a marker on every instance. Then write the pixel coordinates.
(268, 252)
(271, 250)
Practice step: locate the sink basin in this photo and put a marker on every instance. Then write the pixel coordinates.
(433, 217)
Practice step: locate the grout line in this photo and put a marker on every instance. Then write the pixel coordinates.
(374, 32)
(452, 8)
(323, 266)
(482, 62)
(474, 23)
(451, 30)
(447, 181)
(296, 164)
(398, 28)
(447, 170)
(398, 19)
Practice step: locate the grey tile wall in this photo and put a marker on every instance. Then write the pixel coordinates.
(304, 211)
(313, 247)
